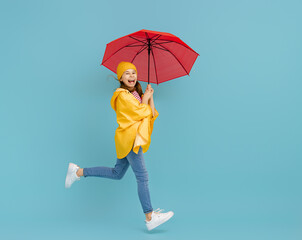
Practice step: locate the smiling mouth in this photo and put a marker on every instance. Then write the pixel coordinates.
(131, 81)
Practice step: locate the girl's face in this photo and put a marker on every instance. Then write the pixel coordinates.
(129, 78)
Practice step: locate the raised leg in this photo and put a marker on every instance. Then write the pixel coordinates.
(116, 173)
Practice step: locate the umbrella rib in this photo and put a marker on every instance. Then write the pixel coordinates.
(162, 42)
(176, 59)
(117, 51)
(147, 36)
(136, 46)
(154, 66)
(138, 53)
(155, 38)
(160, 48)
(138, 40)
(177, 43)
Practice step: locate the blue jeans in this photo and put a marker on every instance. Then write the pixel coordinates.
(137, 163)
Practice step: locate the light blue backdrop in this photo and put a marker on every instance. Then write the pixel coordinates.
(226, 148)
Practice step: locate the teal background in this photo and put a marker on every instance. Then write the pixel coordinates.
(226, 148)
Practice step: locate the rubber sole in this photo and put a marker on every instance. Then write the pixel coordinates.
(161, 222)
(69, 171)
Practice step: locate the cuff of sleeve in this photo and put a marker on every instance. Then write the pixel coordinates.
(155, 114)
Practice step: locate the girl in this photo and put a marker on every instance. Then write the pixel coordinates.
(135, 113)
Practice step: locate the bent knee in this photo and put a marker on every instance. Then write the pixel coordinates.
(119, 176)
(142, 178)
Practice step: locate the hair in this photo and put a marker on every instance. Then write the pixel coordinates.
(137, 86)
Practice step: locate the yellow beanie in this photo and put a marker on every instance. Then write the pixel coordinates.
(122, 67)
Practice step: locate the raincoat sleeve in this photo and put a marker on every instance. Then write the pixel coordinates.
(154, 117)
(130, 107)
(144, 131)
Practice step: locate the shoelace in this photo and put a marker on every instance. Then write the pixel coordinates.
(158, 210)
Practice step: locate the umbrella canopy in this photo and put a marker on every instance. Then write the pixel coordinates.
(158, 56)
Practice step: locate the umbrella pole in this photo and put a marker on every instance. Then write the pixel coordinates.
(149, 49)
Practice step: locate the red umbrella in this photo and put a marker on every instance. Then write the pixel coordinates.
(170, 57)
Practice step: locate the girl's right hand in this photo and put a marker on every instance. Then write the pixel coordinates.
(148, 93)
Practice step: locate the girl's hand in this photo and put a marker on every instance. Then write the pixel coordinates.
(150, 89)
(148, 94)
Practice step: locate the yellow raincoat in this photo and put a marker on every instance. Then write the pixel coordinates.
(135, 122)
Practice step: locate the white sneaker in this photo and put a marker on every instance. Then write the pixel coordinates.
(158, 218)
(71, 176)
